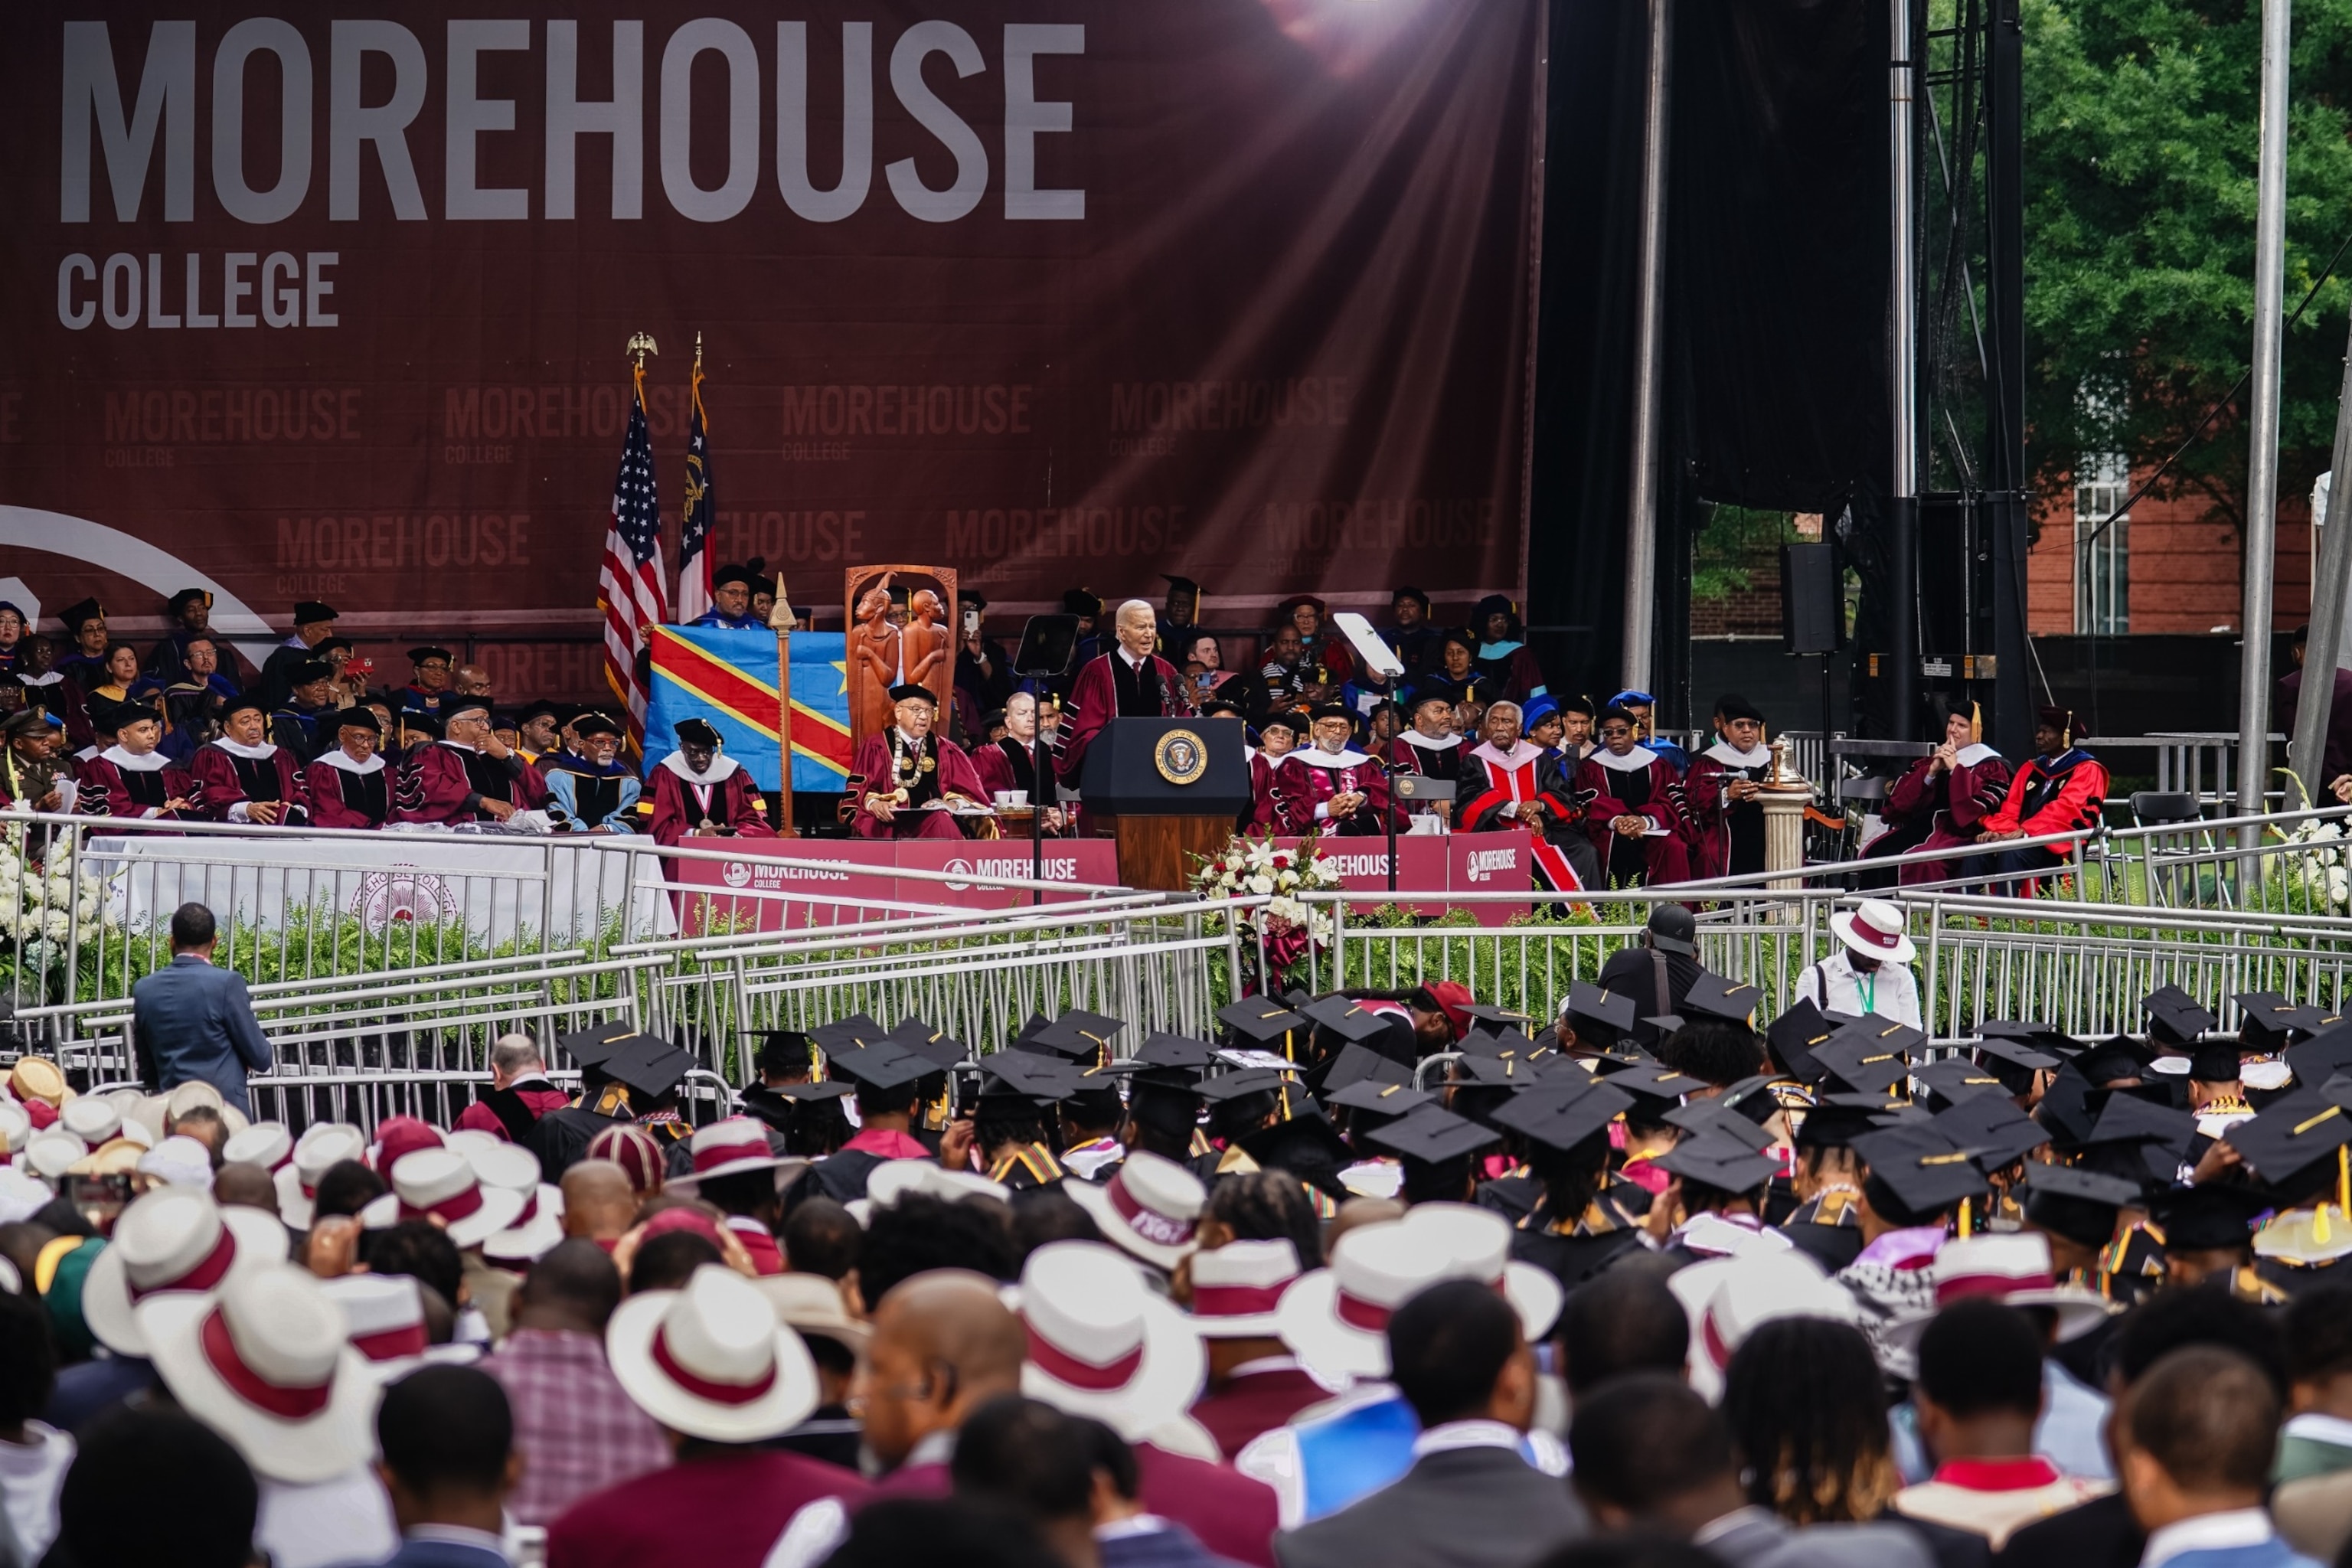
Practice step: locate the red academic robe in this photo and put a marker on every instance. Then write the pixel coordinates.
(538, 1096)
(1349, 772)
(725, 1510)
(1955, 802)
(216, 767)
(434, 787)
(1710, 819)
(997, 768)
(116, 784)
(1093, 702)
(1253, 1403)
(1605, 776)
(2052, 794)
(1502, 780)
(339, 796)
(954, 775)
(1415, 752)
(1282, 801)
(729, 800)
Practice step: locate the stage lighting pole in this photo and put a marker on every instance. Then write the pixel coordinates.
(2262, 459)
(1903, 495)
(1649, 349)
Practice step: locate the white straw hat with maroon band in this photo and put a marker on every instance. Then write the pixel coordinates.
(1875, 929)
(730, 1148)
(269, 1364)
(1729, 1298)
(1149, 1207)
(711, 1360)
(1478, 1242)
(320, 1147)
(1102, 1343)
(385, 1314)
(2012, 1268)
(174, 1239)
(438, 1185)
(539, 1226)
(267, 1144)
(1237, 1287)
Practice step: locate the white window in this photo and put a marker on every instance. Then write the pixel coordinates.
(2102, 556)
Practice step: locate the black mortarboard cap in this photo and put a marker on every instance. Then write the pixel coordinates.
(1380, 1098)
(2322, 1057)
(1009, 1076)
(1164, 1100)
(1358, 1064)
(1507, 1042)
(784, 1050)
(2014, 1052)
(1792, 1037)
(1957, 1078)
(1755, 1097)
(594, 1047)
(1712, 996)
(1078, 1033)
(2173, 1015)
(855, 1030)
(1867, 1057)
(1925, 1169)
(1346, 1017)
(1995, 1130)
(1228, 1086)
(1496, 1019)
(2130, 1118)
(2076, 1203)
(2065, 1106)
(1832, 1125)
(650, 1065)
(936, 1046)
(2046, 1038)
(2267, 1021)
(1654, 1082)
(1431, 1135)
(1722, 1163)
(1599, 1017)
(807, 1093)
(2285, 1142)
(1499, 1071)
(879, 1066)
(2214, 1216)
(2116, 1057)
(1562, 1114)
(1307, 1145)
(1259, 1019)
(1176, 1051)
(1713, 1119)
(2214, 1061)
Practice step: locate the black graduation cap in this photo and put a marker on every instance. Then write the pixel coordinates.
(1431, 1135)
(1307, 1145)
(1497, 1019)
(1259, 1020)
(1500, 1072)
(783, 1051)
(1792, 1037)
(1356, 1064)
(1956, 1079)
(1599, 1017)
(1868, 1058)
(1226, 1087)
(1012, 1079)
(2116, 1057)
(2322, 1057)
(934, 1046)
(2076, 1203)
(1713, 1119)
(1755, 1097)
(2130, 1119)
(648, 1064)
(1926, 1170)
(2287, 1141)
(1505, 1043)
(1375, 1097)
(1563, 1114)
(2214, 1216)
(1166, 1099)
(858, 1029)
(2013, 1052)
(1833, 1125)
(1725, 1163)
(1078, 1033)
(1713, 997)
(1654, 1083)
(2174, 1017)
(2047, 1037)
(594, 1047)
(2065, 1106)
(1347, 1017)
(1176, 1051)
(2215, 1061)
(810, 1092)
(2267, 1021)
(879, 1066)
(1994, 1129)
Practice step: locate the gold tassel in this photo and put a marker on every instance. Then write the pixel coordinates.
(2319, 1230)
(2344, 1179)
(1966, 1229)
(1976, 723)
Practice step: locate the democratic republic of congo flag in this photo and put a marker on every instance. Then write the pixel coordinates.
(729, 678)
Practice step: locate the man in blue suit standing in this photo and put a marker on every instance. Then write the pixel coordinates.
(447, 1434)
(193, 1021)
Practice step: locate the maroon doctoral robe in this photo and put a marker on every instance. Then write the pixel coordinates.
(1258, 1397)
(446, 784)
(235, 775)
(1955, 802)
(1346, 772)
(1503, 780)
(950, 774)
(1101, 694)
(1638, 783)
(345, 793)
(116, 784)
(1725, 837)
(725, 797)
(1415, 752)
(1008, 764)
(723, 1510)
(1282, 800)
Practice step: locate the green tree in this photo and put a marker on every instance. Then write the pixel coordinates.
(2140, 146)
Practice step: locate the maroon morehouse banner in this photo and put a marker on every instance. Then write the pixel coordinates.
(1056, 294)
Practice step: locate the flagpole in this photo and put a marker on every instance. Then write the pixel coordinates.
(780, 621)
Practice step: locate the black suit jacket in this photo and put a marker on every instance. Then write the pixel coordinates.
(1465, 1508)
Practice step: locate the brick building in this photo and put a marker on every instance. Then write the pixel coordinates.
(2160, 569)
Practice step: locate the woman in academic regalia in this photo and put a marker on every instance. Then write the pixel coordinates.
(350, 786)
(1630, 814)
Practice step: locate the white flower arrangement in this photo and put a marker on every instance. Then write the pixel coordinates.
(2314, 861)
(1257, 866)
(42, 903)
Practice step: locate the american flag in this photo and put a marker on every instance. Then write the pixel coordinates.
(629, 583)
(694, 544)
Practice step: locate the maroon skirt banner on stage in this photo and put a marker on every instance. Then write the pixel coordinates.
(1054, 294)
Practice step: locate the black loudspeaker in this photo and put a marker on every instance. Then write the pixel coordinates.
(1812, 609)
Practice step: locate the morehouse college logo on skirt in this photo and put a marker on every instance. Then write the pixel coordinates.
(400, 896)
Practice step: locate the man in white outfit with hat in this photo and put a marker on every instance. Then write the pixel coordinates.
(1871, 971)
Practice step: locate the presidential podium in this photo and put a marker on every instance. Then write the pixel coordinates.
(1167, 790)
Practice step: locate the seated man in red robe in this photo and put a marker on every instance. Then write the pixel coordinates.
(1350, 791)
(1632, 818)
(247, 777)
(1010, 763)
(700, 793)
(1282, 800)
(351, 786)
(131, 778)
(2059, 790)
(1954, 787)
(467, 775)
(1507, 784)
(911, 776)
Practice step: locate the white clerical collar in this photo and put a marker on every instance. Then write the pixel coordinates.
(342, 761)
(722, 767)
(1441, 744)
(251, 754)
(1969, 756)
(1449, 1436)
(1731, 756)
(1521, 753)
(1632, 762)
(152, 763)
(2232, 1528)
(1317, 757)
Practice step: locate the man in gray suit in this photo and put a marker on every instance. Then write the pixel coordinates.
(191, 1021)
(1469, 1500)
(1651, 1455)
